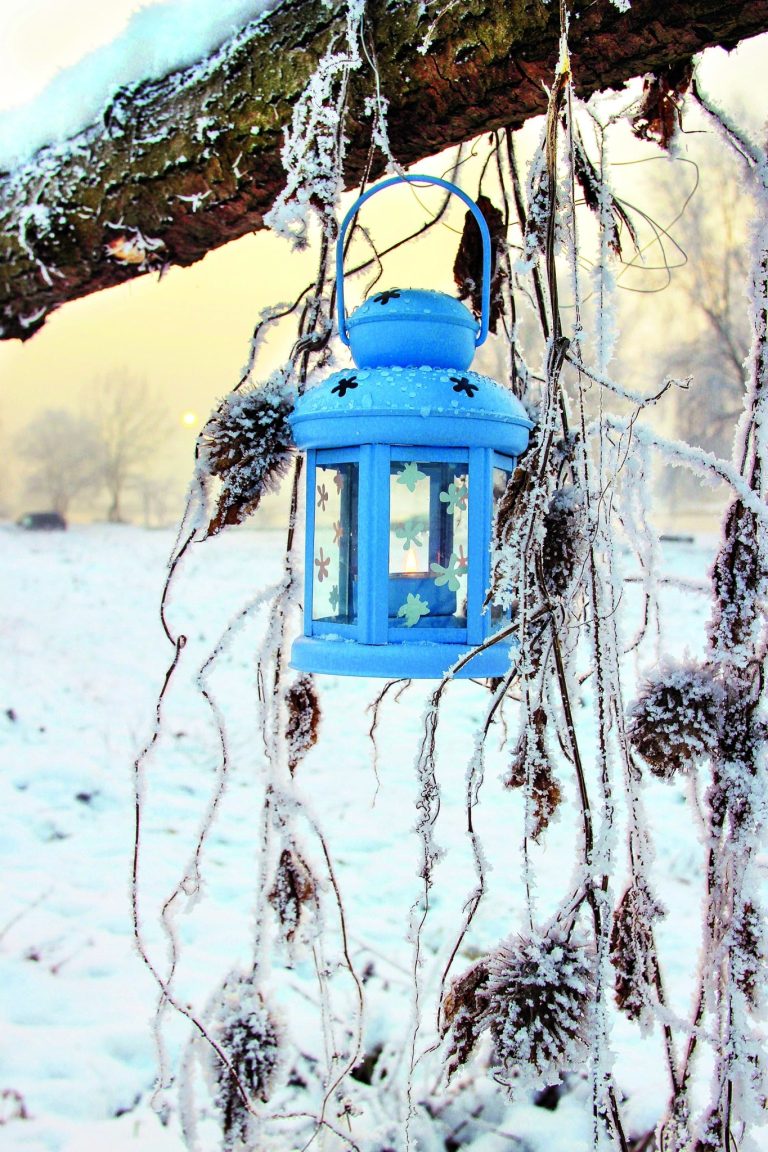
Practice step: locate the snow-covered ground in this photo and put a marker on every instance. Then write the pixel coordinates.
(83, 658)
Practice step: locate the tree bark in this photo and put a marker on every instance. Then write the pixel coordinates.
(178, 166)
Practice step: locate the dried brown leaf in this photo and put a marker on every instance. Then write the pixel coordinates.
(303, 704)
(468, 266)
(658, 117)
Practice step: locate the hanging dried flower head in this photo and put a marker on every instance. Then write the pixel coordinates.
(534, 997)
(675, 721)
(531, 766)
(539, 1012)
(253, 1041)
(303, 704)
(247, 445)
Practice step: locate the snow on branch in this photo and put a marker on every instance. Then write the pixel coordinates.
(193, 159)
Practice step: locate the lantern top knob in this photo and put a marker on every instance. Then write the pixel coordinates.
(413, 327)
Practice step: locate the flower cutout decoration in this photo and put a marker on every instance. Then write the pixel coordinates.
(410, 532)
(385, 297)
(322, 563)
(333, 598)
(338, 479)
(322, 497)
(462, 561)
(338, 532)
(410, 476)
(455, 497)
(344, 386)
(450, 574)
(461, 384)
(413, 609)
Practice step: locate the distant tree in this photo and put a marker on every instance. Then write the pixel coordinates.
(159, 498)
(711, 231)
(129, 425)
(60, 450)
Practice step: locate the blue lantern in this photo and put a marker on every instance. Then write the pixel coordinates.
(407, 453)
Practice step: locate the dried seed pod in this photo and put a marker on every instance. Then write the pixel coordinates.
(633, 952)
(740, 584)
(531, 762)
(675, 721)
(598, 197)
(749, 952)
(303, 706)
(253, 1040)
(566, 540)
(246, 444)
(294, 890)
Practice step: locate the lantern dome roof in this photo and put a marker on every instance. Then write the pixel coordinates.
(412, 326)
(410, 405)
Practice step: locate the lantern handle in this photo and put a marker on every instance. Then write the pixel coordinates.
(415, 178)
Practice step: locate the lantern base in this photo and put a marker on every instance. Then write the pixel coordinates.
(423, 660)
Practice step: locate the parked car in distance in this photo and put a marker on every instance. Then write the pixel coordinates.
(42, 522)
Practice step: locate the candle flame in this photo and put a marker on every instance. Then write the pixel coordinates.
(411, 562)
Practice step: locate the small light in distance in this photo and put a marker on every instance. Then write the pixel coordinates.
(189, 419)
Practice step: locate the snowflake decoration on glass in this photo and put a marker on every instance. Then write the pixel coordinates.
(410, 476)
(338, 479)
(385, 297)
(413, 609)
(333, 597)
(455, 497)
(338, 532)
(322, 562)
(450, 574)
(410, 532)
(322, 497)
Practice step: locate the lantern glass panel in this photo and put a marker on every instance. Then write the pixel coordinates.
(501, 477)
(429, 517)
(335, 543)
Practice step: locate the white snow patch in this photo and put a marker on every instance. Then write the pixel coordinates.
(157, 41)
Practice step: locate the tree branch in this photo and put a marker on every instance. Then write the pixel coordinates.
(178, 166)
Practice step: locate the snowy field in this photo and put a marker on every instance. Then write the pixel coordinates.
(83, 658)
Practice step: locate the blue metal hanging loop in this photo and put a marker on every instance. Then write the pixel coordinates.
(415, 178)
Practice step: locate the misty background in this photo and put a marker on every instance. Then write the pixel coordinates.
(99, 412)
